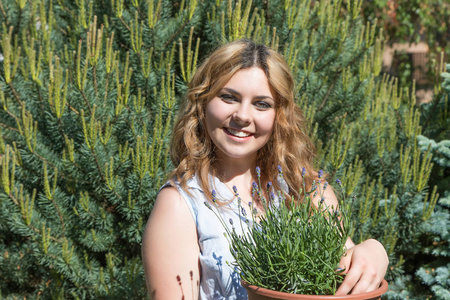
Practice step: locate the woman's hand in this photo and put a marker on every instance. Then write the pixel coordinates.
(365, 266)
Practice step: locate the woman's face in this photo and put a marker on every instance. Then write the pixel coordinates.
(240, 118)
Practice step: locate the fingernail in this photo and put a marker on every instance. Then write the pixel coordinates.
(339, 270)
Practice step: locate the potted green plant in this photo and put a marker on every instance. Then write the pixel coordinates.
(292, 251)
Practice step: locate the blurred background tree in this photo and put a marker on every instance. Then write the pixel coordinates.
(413, 22)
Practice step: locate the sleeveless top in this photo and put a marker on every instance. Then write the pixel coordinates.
(219, 279)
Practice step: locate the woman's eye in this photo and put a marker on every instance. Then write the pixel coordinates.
(262, 105)
(227, 97)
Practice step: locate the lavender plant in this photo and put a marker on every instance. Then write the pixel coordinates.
(295, 246)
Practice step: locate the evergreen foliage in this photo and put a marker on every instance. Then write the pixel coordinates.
(436, 250)
(88, 94)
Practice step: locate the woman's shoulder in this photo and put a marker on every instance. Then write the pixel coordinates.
(169, 201)
(190, 193)
(191, 183)
(170, 205)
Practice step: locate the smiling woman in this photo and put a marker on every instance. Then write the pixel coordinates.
(239, 113)
(237, 72)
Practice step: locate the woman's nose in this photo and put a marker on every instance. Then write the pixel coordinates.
(242, 115)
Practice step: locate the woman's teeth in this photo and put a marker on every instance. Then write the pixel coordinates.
(237, 133)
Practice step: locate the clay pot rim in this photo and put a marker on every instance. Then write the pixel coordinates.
(276, 295)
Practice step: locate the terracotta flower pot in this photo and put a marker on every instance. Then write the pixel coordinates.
(258, 293)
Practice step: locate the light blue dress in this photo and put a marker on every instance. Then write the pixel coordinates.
(218, 278)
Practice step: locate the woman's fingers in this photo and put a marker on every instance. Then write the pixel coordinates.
(367, 282)
(344, 265)
(359, 280)
(365, 266)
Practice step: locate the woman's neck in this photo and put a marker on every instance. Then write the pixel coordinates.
(237, 174)
(235, 171)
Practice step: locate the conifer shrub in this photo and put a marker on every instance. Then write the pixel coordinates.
(433, 267)
(89, 91)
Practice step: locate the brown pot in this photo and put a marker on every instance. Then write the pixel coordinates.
(258, 293)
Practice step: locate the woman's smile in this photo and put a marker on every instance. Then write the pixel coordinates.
(237, 133)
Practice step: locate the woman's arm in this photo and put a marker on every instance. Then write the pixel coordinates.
(170, 249)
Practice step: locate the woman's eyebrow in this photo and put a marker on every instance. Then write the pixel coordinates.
(232, 91)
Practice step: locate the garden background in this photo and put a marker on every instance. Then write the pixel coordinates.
(89, 91)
